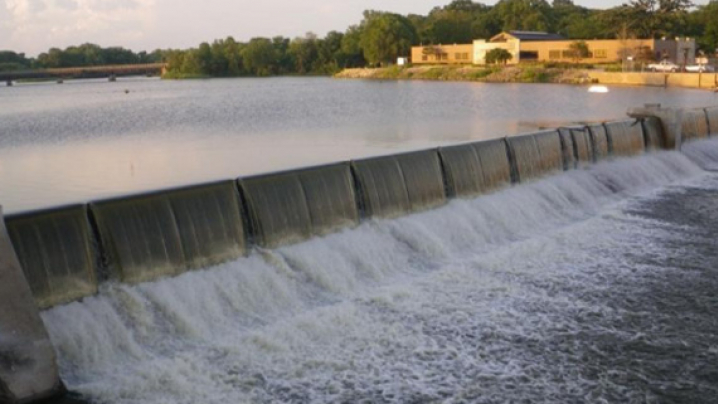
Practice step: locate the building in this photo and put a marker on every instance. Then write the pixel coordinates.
(442, 54)
(512, 41)
(545, 47)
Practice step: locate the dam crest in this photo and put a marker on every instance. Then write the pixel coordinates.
(66, 254)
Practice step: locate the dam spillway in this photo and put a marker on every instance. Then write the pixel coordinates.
(120, 237)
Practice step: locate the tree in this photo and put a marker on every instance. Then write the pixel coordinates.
(330, 58)
(303, 52)
(283, 61)
(385, 36)
(529, 15)
(579, 50)
(659, 17)
(259, 57)
(498, 55)
(191, 64)
(351, 47)
(13, 61)
(703, 25)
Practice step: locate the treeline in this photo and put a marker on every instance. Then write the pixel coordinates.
(380, 37)
(77, 56)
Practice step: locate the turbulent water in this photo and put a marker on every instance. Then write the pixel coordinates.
(595, 285)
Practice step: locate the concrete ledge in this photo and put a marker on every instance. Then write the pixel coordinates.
(689, 80)
(28, 370)
(671, 123)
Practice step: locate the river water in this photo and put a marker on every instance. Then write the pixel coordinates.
(592, 286)
(92, 139)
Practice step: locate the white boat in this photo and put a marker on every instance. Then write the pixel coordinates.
(598, 89)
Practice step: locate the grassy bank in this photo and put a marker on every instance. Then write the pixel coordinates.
(503, 74)
(184, 76)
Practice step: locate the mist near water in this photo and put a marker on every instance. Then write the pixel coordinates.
(594, 285)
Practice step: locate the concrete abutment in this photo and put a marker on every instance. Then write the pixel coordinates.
(28, 369)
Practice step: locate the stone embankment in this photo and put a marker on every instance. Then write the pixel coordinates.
(511, 74)
(534, 74)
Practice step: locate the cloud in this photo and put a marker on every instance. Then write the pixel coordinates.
(33, 26)
(69, 5)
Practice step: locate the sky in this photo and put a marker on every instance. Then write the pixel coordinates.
(33, 26)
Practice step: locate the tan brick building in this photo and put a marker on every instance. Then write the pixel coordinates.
(544, 47)
(443, 54)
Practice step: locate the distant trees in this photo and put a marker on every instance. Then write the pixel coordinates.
(529, 15)
(498, 56)
(659, 17)
(89, 54)
(385, 36)
(259, 57)
(13, 61)
(381, 37)
(703, 25)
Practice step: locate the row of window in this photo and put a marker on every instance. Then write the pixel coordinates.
(568, 54)
(445, 56)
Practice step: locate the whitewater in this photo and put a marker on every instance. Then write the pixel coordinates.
(593, 285)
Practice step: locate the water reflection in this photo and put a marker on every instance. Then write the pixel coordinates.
(90, 139)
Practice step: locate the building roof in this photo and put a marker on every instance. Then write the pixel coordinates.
(529, 36)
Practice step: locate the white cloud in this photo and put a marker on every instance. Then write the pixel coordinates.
(33, 26)
(36, 25)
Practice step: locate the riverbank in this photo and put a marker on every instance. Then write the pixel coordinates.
(535, 74)
(509, 74)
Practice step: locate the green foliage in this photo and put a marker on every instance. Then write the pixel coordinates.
(579, 50)
(528, 15)
(259, 57)
(435, 73)
(386, 36)
(381, 37)
(703, 25)
(615, 68)
(92, 55)
(13, 61)
(480, 74)
(532, 75)
(498, 55)
(8, 67)
(392, 72)
(566, 65)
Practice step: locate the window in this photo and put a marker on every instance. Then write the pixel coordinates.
(600, 54)
(554, 54)
(528, 55)
(567, 54)
(424, 58)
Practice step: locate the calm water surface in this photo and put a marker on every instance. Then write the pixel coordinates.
(92, 139)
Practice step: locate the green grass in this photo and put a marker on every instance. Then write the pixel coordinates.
(392, 72)
(480, 74)
(183, 76)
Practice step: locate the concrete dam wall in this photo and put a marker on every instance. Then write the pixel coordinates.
(64, 254)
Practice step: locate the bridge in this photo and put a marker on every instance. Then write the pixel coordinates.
(84, 72)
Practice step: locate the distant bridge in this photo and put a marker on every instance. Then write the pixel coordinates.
(84, 72)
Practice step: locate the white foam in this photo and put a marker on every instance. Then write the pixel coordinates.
(425, 307)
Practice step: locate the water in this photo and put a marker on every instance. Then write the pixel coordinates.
(594, 285)
(91, 139)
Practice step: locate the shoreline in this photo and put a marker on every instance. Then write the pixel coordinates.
(480, 74)
(534, 74)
